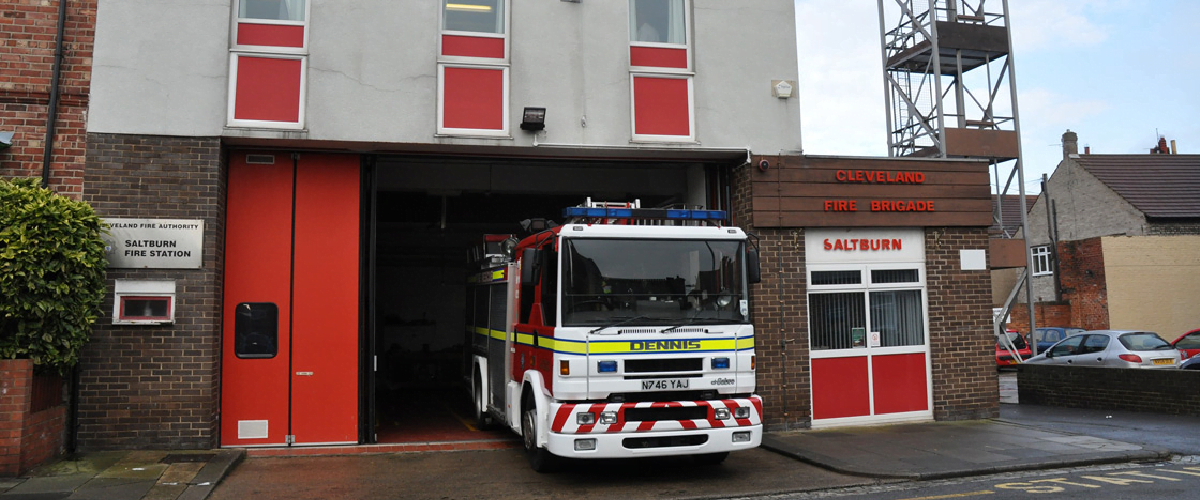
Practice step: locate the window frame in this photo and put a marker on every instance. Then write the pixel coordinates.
(687, 32)
(120, 317)
(236, 20)
(506, 122)
(472, 62)
(443, 31)
(231, 108)
(1043, 260)
(865, 287)
(658, 138)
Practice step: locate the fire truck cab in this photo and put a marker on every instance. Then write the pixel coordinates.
(624, 332)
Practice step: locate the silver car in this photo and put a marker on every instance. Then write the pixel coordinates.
(1112, 349)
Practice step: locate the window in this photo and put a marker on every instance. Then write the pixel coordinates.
(660, 71)
(658, 21)
(1094, 343)
(475, 16)
(256, 330)
(1041, 261)
(272, 10)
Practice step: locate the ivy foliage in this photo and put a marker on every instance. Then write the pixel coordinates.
(52, 266)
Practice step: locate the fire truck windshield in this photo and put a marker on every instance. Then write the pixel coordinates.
(652, 281)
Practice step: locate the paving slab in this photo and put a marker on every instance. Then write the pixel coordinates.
(932, 450)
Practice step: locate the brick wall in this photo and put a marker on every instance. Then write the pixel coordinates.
(1046, 313)
(1175, 392)
(157, 386)
(28, 438)
(779, 309)
(26, 63)
(1084, 285)
(960, 332)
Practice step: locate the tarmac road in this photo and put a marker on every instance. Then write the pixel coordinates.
(505, 474)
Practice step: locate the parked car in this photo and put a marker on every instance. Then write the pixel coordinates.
(1047, 336)
(1191, 364)
(1113, 349)
(1189, 343)
(1004, 357)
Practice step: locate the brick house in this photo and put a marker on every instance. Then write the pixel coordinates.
(1121, 248)
(336, 158)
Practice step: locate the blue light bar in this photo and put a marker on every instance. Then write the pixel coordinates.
(607, 367)
(642, 213)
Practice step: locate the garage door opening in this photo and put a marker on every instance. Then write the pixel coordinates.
(427, 216)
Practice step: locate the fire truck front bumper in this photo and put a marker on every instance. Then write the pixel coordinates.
(615, 430)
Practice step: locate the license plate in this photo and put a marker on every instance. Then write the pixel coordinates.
(1164, 361)
(666, 384)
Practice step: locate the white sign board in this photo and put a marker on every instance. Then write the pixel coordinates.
(154, 243)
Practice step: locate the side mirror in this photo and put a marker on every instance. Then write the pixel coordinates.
(529, 264)
(753, 269)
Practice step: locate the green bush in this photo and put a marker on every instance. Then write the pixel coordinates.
(52, 268)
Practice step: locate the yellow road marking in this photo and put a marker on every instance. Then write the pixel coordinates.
(466, 423)
(956, 495)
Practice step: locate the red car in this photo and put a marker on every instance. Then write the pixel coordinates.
(1004, 357)
(1189, 343)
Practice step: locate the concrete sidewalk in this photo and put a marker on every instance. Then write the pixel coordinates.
(126, 475)
(933, 450)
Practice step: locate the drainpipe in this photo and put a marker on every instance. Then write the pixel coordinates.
(53, 113)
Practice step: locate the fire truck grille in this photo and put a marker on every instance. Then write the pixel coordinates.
(654, 414)
(663, 442)
(664, 365)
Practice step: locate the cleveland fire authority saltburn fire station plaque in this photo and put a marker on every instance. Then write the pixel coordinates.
(154, 243)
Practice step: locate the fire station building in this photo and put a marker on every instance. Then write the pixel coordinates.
(320, 170)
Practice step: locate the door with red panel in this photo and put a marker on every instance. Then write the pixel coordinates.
(870, 355)
(290, 369)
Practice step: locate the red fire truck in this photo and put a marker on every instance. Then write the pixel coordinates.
(624, 332)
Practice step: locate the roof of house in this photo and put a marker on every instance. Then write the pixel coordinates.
(1010, 205)
(1160, 186)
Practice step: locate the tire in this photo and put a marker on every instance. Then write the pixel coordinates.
(711, 458)
(540, 460)
(483, 420)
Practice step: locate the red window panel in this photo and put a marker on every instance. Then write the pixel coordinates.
(268, 89)
(661, 107)
(900, 383)
(473, 98)
(270, 35)
(658, 57)
(840, 388)
(472, 46)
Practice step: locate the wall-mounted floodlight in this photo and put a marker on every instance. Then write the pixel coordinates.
(533, 119)
(6, 139)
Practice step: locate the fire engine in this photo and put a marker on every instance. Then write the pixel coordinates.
(624, 332)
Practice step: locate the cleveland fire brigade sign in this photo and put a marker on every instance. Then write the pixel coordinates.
(154, 243)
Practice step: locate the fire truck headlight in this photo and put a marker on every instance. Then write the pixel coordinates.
(606, 367)
(741, 412)
(722, 413)
(608, 417)
(585, 444)
(741, 437)
(585, 418)
(720, 363)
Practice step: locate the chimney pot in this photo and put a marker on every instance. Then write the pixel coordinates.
(1070, 143)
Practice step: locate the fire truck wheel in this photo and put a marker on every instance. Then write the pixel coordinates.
(711, 458)
(539, 459)
(483, 420)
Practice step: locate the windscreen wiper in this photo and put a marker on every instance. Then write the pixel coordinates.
(622, 322)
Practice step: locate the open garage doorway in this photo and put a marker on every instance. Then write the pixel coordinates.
(427, 214)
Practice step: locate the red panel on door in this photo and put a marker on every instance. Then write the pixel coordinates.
(658, 57)
(326, 332)
(270, 35)
(900, 383)
(268, 89)
(840, 388)
(472, 46)
(473, 98)
(660, 106)
(258, 226)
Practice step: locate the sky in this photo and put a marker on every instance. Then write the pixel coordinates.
(1116, 72)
